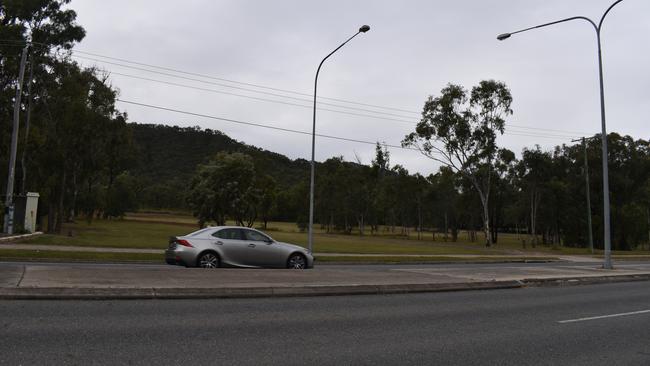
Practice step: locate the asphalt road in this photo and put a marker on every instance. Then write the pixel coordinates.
(505, 327)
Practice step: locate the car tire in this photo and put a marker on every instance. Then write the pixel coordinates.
(208, 260)
(297, 261)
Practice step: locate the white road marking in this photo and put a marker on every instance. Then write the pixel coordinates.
(604, 316)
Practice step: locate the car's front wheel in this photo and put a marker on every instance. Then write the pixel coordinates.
(208, 260)
(297, 261)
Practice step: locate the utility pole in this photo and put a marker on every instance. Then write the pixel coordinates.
(28, 116)
(9, 200)
(591, 235)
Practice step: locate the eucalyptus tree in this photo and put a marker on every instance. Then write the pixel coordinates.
(48, 26)
(534, 170)
(459, 130)
(225, 188)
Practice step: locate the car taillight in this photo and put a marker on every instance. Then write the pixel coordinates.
(184, 243)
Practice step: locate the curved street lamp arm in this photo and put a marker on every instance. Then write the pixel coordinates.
(597, 28)
(507, 35)
(600, 24)
(331, 53)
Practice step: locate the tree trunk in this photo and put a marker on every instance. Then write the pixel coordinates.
(75, 192)
(362, 225)
(419, 220)
(485, 197)
(51, 216)
(58, 225)
(89, 209)
(648, 216)
(534, 203)
(446, 226)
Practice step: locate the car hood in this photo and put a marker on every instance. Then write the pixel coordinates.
(291, 246)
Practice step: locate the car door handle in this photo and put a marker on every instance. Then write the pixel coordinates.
(251, 245)
(218, 242)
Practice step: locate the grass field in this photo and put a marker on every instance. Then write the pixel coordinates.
(151, 230)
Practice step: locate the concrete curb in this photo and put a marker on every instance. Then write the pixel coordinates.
(35, 293)
(574, 281)
(52, 293)
(17, 237)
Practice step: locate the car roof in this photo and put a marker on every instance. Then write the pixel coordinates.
(229, 227)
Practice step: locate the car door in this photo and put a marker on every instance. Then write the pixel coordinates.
(232, 246)
(265, 253)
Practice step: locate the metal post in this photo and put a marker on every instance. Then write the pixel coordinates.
(607, 263)
(607, 234)
(363, 29)
(591, 234)
(9, 200)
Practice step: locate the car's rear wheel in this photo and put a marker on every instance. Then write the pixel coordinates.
(297, 261)
(208, 260)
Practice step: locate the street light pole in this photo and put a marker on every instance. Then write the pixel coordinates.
(607, 263)
(9, 199)
(363, 29)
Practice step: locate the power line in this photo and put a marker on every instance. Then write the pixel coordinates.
(257, 98)
(516, 133)
(546, 129)
(260, 125)
(241, 83)
(240, 88)
(559, 135)
(277, 89)
(563, 138)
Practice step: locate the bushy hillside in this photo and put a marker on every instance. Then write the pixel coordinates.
(171, 153)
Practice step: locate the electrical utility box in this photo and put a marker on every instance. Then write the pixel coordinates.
(26, 211)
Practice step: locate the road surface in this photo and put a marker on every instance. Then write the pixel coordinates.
(603, 324)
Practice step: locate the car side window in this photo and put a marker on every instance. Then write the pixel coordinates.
(230, 234)
(256, 236)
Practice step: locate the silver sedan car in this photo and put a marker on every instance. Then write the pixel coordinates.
(234, 246)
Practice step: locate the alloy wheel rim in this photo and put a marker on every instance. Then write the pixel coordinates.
(209, 261)
(297, 262)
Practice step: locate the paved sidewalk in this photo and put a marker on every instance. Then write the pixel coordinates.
(68, 281)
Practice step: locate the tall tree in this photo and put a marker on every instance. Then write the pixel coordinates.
(466, 127)
(225, 187)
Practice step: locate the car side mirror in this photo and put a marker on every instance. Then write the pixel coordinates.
(269, 242)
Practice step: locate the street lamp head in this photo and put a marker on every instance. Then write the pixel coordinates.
(364, 28)
(503, 36)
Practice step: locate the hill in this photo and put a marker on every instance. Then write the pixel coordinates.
(172, 153)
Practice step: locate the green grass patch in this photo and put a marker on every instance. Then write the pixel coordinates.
(152, 231)
(113, 234)
(24, 254)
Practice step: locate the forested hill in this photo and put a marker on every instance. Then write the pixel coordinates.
(172, 153)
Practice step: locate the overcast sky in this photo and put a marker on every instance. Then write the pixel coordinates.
(414, 48)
